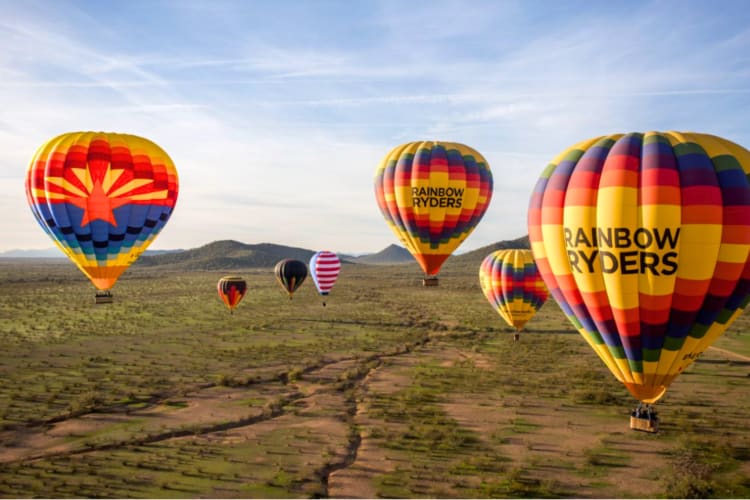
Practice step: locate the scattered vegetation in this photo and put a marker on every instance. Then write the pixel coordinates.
(164, 394)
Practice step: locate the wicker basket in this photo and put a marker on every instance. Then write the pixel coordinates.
(430, 281)
(644, 424)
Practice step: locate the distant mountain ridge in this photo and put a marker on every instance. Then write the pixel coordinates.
(43, 253)
(231, 254)
(480, 253)
(55, 253)
(392, 254)
(227, 254)
(474, 258)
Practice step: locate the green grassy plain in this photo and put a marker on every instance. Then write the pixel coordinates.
(391, 390)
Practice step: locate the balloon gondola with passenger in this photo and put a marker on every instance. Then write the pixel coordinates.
(643, 240)
(644, 418)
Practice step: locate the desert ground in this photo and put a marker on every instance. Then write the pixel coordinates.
(390, 390)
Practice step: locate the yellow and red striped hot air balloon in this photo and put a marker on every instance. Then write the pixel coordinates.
(643, 240)
(102, 198)
(432, 195)
(513, 286)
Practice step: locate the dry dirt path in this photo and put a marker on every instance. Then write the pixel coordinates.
(336, 404)
(730, 354)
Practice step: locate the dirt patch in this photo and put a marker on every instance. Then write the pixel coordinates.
(219, 404)
(730, 354)
(358, 480)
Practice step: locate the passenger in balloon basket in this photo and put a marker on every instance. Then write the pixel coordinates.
(644, 418)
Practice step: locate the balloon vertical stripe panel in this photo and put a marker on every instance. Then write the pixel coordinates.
(513, 286)
(432, 195)
(643, 239)
(102, 197)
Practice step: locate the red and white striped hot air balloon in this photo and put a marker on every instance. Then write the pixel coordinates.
(324, 268)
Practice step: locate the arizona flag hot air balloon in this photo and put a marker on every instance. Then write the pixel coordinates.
(102, 198)
(643, 240)
(513, 286)
(432, 195)
(231, 291)
(324, 269)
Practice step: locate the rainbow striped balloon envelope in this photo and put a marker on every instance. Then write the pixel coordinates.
(643, 240)
(102, 198)
(432, 195)
(231, 290)
(513, 286)
(324, 270)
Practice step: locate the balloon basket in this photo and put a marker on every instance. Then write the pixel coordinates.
(645, 420)
(103, 297)
(430, 281)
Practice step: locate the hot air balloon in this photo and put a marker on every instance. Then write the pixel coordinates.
(290, 274)
(432, 195)
(102, 198)
(643, 240)
(231, 290)
(512, 285)
(324, 269)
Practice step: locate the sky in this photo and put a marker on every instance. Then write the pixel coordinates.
(276, 113)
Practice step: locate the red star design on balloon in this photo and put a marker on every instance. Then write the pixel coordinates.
(97, 205)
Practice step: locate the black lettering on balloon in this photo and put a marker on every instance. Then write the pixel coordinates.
(608, 261)
(629, 262)
(649, 260)
(670, 261)
(573, 258)
(590, 261)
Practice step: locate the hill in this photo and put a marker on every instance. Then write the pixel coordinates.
(475, 257)
(45, 253)
(55, 253)
(231, 254)
(227, 254)
(392, 254)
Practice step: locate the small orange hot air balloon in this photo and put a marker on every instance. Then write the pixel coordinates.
(231, 291)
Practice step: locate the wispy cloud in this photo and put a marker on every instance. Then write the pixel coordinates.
(274, 129)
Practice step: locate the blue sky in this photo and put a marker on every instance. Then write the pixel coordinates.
(276, 113)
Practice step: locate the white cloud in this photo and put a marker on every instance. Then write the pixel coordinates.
(276, 134)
